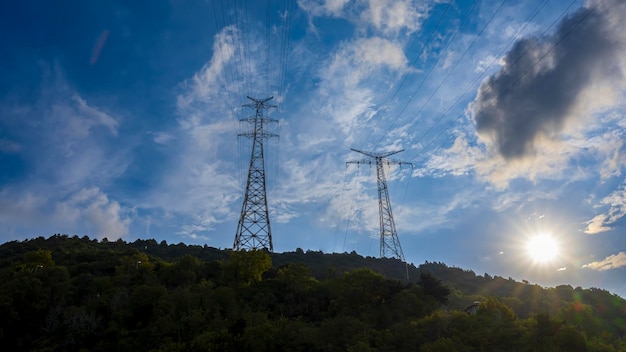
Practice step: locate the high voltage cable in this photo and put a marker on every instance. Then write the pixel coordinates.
(406, 73)
(466, 19)
(217, 31)
(451, 70)
(341, 197)
(268, 44)
(285, 50)
(237, 51)
(240, 48)
(245, 45)
(285, 43)
(455, 64)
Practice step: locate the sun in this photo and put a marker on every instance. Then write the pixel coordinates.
(542, 248)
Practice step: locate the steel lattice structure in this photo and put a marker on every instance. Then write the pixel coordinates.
(389, 242)
(253, 229)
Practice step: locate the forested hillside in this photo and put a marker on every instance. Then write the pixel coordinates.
(71, 294)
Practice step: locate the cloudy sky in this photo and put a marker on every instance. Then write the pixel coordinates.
(120, 120)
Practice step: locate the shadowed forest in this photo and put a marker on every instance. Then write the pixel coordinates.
(78, 294)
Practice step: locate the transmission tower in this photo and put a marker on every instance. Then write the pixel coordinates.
(253, 229)
(389, 242)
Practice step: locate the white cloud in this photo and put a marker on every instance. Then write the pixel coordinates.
(211, 79)
(323, 7)
(611, 262)
(162, 137)
(20, 208)
(88, 117)
(350, 77)
(87, 211)
(358, 60)
(388, 17)
(91, 210)
(457, 160)
(547, 163)
(616, 202)
(392, 16)
(354, 204)
(190, 231)
(68, 145)
(201, 185)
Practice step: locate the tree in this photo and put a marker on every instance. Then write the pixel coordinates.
(248, 266)
(434, 288)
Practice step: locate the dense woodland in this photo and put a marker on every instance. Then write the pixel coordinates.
(78, 294)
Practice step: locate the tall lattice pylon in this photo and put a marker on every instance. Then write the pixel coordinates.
(389, 242)
(253, 229)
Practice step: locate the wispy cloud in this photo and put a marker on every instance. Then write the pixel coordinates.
(200, 185)
(457, 160)
(616, 203)
(350, 78)
(86, 211)
(387, 17)
(611, 262)
(89, 208)
(69, 146)
(162, 137)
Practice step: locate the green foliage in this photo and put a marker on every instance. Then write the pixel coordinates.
(247, 266)
(76, 294)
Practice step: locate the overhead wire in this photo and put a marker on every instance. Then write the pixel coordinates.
(236, 65)
(350, 214)
(431, 69)
(267, 44)
(230, 67)
(455, 65)
(388, 100)
(237, 60)
(246, 45)
(284, 50)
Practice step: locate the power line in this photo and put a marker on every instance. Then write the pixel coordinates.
(430, 70)
(455, 65)
(383, 109)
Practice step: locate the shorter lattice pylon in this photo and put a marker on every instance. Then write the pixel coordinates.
(389, 242)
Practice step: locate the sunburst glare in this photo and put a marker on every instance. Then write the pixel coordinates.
(542, 248)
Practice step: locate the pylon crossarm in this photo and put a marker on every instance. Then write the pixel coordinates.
(397, 162)
(377, 155)
(261, 135)
(253, 119)
(359, 162)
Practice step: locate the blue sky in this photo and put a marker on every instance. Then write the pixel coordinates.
(120, 120)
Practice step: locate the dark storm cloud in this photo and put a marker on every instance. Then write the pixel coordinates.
(541, 81)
